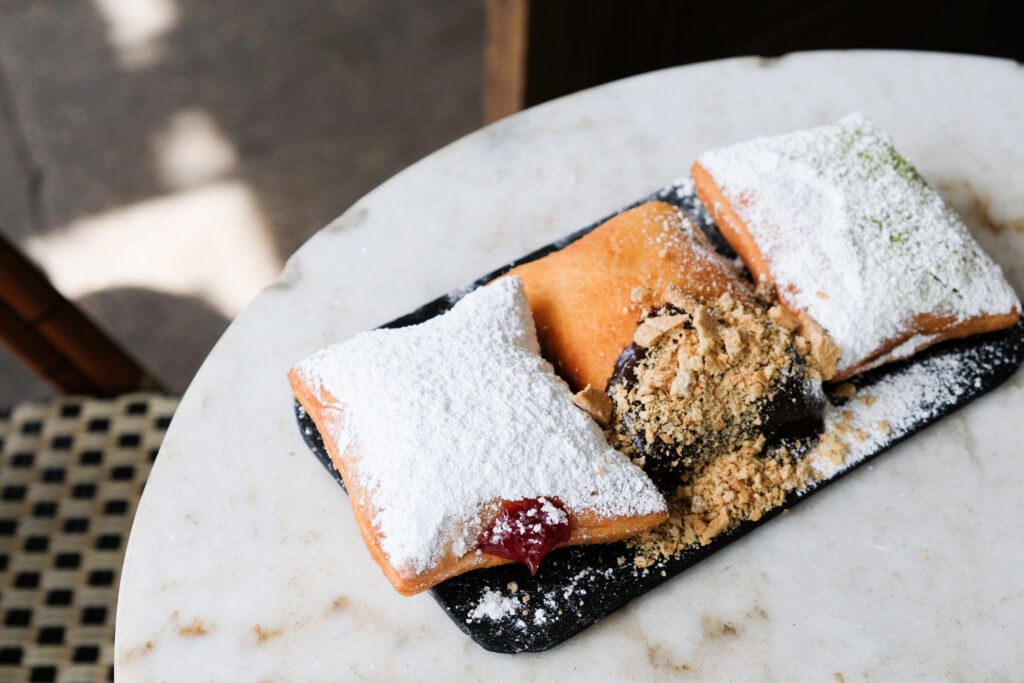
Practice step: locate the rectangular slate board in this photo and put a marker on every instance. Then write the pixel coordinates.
(577, 586)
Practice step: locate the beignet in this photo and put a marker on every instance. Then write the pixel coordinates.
(588, 297)
(852, 237)
(700, 380)
(437, 427)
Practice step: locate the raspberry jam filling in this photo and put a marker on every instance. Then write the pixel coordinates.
(526, 530)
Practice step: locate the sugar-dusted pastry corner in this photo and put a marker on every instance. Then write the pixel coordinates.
(453, 433)
(588, 297)
(854, 241)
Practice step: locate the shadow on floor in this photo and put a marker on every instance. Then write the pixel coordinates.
(183, 328)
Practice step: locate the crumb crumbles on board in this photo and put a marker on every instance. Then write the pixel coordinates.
(693, 410)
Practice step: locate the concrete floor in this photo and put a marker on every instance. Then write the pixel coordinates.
(160, 159)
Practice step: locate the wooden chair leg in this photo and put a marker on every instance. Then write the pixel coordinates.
(50, 335)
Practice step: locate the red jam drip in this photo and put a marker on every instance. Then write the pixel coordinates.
(527, 530)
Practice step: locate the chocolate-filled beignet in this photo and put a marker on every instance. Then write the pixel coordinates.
(699, 380)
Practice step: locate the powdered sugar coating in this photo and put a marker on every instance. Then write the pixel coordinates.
(553, 515)
(854, 236)
(459, 412)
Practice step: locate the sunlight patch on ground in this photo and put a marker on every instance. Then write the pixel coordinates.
(210, 242)
(134, 28)
(192, 150)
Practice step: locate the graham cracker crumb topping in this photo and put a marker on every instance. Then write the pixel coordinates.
(696, 408)
(594, 403)
(652, 328)
(833, 448)
(783, 318)
(640, 294)
(845, 390)
(717, 494)
(704, 377)
(824, 352)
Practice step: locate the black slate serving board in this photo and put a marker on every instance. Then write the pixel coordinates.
(577, 586)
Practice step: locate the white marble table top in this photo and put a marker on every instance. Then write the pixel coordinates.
(245, 562)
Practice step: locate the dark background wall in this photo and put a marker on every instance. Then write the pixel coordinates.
(575, 44)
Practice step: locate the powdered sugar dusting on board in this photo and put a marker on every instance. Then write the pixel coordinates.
(683, 187)
(899, 403)
(494, 605)
(445, 418)
(543, 608)
(854, 236)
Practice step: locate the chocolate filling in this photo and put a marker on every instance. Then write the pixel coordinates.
(789, 415)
